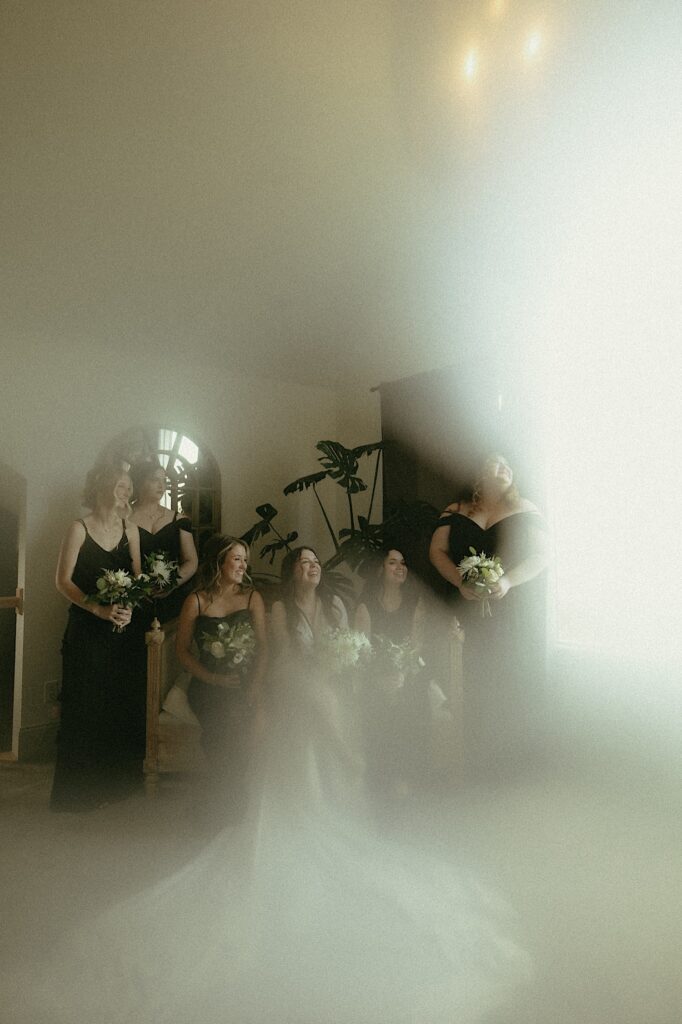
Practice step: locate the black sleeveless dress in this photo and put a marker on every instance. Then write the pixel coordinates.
(397, 725)
(225, 718)
(504, 654)
(167, 540)
(100, 743)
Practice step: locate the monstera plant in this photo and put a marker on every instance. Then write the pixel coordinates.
(351, 542)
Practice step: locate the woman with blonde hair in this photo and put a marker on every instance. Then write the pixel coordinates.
(100, 744)
(221, 641)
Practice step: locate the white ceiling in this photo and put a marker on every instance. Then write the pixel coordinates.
(292, 187)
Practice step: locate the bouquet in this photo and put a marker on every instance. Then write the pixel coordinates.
(163, 572)
(342, 649)
(234, 642)
(403, 657)
(394, 663)
(481, 572)
(117, 586)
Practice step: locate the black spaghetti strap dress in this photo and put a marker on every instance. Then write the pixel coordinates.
(504, 653)
(100, 742)
(397, 725)
(167, 541)
(225, 718)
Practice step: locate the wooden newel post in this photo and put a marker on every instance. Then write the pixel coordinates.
(154, 639)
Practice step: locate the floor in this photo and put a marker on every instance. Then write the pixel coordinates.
(588, 852)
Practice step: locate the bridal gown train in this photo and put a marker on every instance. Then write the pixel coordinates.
(305, 913)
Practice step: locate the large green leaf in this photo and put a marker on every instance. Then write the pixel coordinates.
(368, 449)
(341, 465)
(304, 482)
(258, 530)
(270, 550)
(266, 512)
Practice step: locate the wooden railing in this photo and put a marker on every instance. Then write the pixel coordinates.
(173, 744)
(16, 602)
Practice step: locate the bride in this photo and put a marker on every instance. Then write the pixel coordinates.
(305, 913)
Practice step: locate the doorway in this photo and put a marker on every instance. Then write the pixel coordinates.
(12, 560)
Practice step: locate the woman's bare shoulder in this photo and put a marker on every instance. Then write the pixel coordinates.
(525, 505)
(459, 507)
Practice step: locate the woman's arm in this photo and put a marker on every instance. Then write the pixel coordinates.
(133, 535)
(257, 613)
(278, 629)
(183, 647)
(526, 570)
(189, 560)
(363, 620)
(340, 612)
(418, 621)
(66, 563)
(440, 558)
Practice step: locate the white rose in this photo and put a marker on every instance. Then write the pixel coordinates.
(238, 658)
(217, 649)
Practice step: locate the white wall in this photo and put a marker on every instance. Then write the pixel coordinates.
(61, 406)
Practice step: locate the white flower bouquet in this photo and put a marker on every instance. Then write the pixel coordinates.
(117, 586)
(233, 642)
(342, 649)
(163, 572)
(481, 572)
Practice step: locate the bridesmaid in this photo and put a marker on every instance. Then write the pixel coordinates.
(162, 530)
(396, 708)
(101, 735)
(504, 653)
(227, 704)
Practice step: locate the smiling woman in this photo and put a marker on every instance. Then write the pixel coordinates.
(191, 477)
(504, 651)
(101, 740)
(225, 619)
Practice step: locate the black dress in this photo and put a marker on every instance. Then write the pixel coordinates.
(397, 726)
(225, 718)
(166, 540)
(504, 653)
(100, 743)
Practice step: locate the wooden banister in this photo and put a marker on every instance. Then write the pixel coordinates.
(16, 602)
(154, 639)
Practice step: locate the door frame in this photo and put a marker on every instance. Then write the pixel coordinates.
(14, 500)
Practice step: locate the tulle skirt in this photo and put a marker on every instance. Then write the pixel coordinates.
(305, 912)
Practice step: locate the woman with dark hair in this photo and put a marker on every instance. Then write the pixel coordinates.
(162, 531)
(392, 610)
(100, 744)
(307, 910)
(308, 607)
(503, 651)
(224, 619)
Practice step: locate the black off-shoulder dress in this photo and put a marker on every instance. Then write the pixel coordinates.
(504, 653)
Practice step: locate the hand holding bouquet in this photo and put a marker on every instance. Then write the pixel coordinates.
(117, 586)
(342, 649)
(481, 572)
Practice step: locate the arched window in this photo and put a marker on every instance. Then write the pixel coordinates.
(192, 472)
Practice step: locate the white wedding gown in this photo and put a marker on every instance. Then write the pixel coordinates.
(304, 914)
